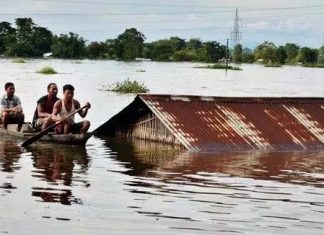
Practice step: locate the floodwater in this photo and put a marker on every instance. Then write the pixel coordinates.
(114, 186)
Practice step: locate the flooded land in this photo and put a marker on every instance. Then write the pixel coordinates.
(117, 186)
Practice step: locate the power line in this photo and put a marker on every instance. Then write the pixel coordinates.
(135, 4)
(281, 8)
(109, 13)
(125, 14)
(185, 5)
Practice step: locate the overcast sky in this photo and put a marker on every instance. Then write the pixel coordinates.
(279, 21)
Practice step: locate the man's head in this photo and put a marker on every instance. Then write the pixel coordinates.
(10, 89)
(68, 91)
(52, 89)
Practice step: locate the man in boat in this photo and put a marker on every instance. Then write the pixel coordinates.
(66, 106)
(43, 117)
(11, 110)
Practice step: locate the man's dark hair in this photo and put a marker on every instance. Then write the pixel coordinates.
(68, 87)
(49, 85)
(8, 84)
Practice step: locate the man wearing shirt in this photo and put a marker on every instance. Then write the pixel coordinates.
(43, 113)
(11, 110)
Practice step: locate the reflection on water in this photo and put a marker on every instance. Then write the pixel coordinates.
(293, 167)
(145, 158)
(63, 167)
(9, 154)
(226, 192)
(145, 187)
(141, 156)
(9, 161)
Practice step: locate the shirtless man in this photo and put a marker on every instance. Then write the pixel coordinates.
(11, 110)
(66, 106)
(43, 113)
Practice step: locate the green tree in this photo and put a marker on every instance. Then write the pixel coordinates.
(194, 44)
(307, 55)
(162, 50)
(237, 54)
(29, 39)
(130, 44)
(267, 52)
(42, 40)
(23, 44)
(177, 43)
(96, 50)
(247, 55)
(25, 28)
(147, 50)
(111, 48)
(292, 51)
(212, 51)
(282, 55)
(7, 36)
(321, 55)
(185, 55)
(69, 46)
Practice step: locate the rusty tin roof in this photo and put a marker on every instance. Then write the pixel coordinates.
(210, 124)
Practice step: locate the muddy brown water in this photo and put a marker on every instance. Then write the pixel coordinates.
(114, 186)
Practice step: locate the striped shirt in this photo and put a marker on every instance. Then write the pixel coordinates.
(7, 103)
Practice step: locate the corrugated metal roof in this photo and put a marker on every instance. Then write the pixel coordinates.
(223, 123)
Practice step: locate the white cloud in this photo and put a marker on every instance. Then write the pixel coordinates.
(274, 23)
(38, 6)
(289, 26)
(261, 25)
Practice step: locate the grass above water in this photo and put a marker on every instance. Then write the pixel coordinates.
(273, 65)
(19, 61)
(219, 66)
(127, 86)
(313, 65)
(47, 70)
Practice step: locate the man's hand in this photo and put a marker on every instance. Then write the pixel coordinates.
(54, 118)
(87, 105)
(17, 110)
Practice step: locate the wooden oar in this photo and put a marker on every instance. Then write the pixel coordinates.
(46, 130)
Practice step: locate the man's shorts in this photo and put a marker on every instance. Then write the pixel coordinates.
(75, 128)
(39, 123)
(13, 118)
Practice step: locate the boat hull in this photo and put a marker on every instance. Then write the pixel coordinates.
(27, 132)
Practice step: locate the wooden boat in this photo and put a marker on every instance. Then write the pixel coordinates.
(27, 132)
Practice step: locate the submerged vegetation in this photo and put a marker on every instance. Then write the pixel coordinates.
(127, 86)
(47, 70)
(19, 61)
(273, 65)
(314, 65)
(220, 66)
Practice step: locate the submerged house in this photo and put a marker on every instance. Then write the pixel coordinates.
(208, 124)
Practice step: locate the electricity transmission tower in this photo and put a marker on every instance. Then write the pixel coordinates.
(236, 35)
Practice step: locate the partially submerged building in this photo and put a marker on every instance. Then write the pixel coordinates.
(208, 124)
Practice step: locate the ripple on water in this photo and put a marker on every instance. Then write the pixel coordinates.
(174, 191)
(250, 192)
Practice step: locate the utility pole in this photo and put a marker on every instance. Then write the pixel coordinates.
(226, 59)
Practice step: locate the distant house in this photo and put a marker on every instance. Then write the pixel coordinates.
(47, 55)
(142, 59)
(208, 124)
